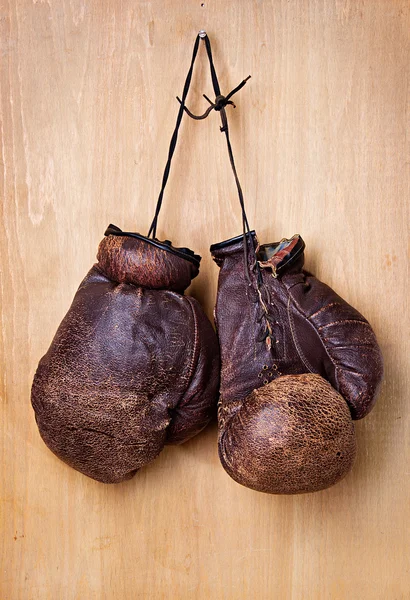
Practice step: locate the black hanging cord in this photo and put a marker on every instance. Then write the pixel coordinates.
(219, 105)
(220, 102)
(153, 228)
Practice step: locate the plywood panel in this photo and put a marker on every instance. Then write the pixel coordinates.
(320, 134)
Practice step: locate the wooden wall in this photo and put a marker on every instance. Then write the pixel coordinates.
(321, 137)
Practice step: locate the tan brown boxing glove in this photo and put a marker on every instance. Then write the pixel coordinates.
(298, 363)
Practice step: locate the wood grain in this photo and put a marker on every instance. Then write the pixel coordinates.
(320, 133)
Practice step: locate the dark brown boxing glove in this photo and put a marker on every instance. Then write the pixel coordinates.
(134, 364)
(298, 363)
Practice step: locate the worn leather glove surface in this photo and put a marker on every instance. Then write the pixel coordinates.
(134, 364)
(298, 364)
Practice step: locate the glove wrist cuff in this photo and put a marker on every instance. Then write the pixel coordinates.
(133, 258)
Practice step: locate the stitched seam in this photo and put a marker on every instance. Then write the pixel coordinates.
(295, 341)
(323, 308)
(195, 356)
(340, 322)
(295, 304)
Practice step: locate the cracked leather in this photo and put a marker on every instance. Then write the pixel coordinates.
(133, 366)
(286, 408)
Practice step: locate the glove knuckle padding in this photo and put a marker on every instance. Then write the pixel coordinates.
(293, 435)
(286, 407)
(130, 368)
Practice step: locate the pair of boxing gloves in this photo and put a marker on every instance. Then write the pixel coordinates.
(136, 364)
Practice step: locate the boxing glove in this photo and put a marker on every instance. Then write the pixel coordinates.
(134, 364)
(298, 364)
